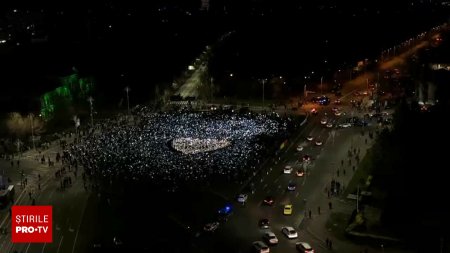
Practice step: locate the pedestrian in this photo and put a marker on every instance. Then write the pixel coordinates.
(330, 205)
(39, 177)
(310, 213)
(33, 202)
(29, 194)
(328, 194)
(318, 210)
(331, 245)
(39, 186)
(343, 171)
(353, 168)
(327, 242)
(18, 163)
(12, 163)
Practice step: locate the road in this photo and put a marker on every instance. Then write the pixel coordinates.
(242, 229)
(68, 204)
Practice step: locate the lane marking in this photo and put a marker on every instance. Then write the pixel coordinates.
(60, 242)
(27, 247)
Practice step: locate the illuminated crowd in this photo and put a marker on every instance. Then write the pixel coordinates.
(178, 146)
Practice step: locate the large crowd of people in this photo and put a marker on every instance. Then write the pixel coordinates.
(169, 147)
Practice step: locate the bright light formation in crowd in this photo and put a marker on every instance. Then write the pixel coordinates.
(169, 147)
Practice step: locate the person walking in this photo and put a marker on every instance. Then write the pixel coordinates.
(330, 205)
(318, 210)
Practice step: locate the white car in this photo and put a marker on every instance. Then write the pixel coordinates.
(270, 238)
(304, 247)
(323, 121)
(299, 148)
(289, 232)
(261, 247)
(287, 169)
(337, 113)
(211, 227)
(242, 198)
(319, 143)
(330, 125)
(309, 138)
(345, 125)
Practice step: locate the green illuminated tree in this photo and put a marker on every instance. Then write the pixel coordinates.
(65, 99)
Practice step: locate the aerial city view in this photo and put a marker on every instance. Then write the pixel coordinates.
(224, 126)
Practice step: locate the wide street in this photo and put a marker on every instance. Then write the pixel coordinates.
(238, 233)
(68, 204)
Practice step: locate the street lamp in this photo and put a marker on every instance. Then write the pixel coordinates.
(321, 85)
(357, 201)
(91, 100)
(263, 83)
(127, 89)
(32, 130)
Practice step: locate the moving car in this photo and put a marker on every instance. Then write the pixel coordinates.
(304, 247)
(270, 238)
(300, 172)
(306, 158)
(211, 227)
(268, 201)
(319, 143)
(264, 223)
(242, 198)
(291, 186)
(287, 169)
(299, 148)
(345, 125)
(289, 232)
(287, 210)
(260, 247)
(309, 138)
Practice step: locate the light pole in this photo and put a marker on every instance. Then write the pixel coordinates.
(263, 83)
(211, 88)
(76, 120)
(304, 91)
(127, 89)
(18, 142)
(91, 100)
(357, 201)
(321, 85)
(32, 130)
